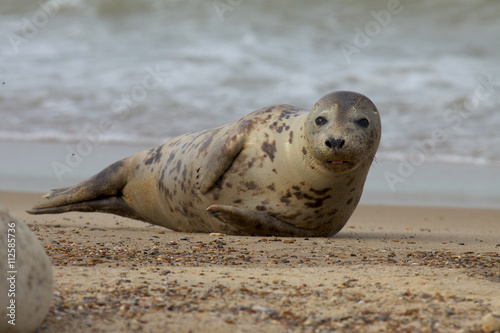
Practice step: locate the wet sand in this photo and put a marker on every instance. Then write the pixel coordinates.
(404, 269)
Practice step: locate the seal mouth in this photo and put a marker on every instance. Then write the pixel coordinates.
(339, 164)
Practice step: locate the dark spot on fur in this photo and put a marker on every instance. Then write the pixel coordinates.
(154, 155)
(261, 208)
(179, 165)
(286, 198)
(351, 181)
(304, 150)
(250, 164)
(274, 170)
(301, 195)
(229, 185)
(251, 185)
(318, 202)
(171, 157)
(269, 149)
(164, 190)
(237, 201)
(349, 201)
(184, 173)
(272, 187)
(290, 110)
(296, 188)
(322, 192)
(206, 143)
(290, 138)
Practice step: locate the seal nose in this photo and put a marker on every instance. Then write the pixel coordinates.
(333, 143)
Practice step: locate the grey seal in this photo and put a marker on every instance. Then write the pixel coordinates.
(279, 171)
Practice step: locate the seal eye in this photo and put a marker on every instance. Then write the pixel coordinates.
(363, 122)
(320, 121)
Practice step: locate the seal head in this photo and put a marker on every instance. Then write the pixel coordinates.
(343, 130)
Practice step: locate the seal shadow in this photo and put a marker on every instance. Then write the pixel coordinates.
(389, 236)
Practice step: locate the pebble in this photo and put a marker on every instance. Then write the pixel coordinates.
(285, 300)
(491, 322)
(309, 321)
(217, 234)
(263, 309)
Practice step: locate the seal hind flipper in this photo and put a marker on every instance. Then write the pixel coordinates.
(99, 193)
(252, 223)
(112, 205)
(219, 159)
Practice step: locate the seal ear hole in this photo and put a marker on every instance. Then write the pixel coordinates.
(320, 121)
(363, 122)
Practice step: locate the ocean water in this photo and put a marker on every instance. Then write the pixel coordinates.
(140, 72)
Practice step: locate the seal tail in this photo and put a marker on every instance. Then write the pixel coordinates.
(99, 193)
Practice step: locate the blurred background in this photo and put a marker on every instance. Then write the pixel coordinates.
(83, 83)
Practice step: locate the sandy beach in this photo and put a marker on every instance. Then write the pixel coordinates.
(391, 269)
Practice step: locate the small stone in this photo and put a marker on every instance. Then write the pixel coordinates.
(285, 300)
(217, 234)
(263, 309)
(309, 321)
(425, 295)
(491, 322)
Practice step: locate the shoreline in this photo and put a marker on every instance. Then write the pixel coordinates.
(412, 268)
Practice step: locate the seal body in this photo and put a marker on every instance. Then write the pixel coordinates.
(277, 171)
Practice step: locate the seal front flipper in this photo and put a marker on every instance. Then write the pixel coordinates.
(252, 223)
(219, 159)
(100, 193)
